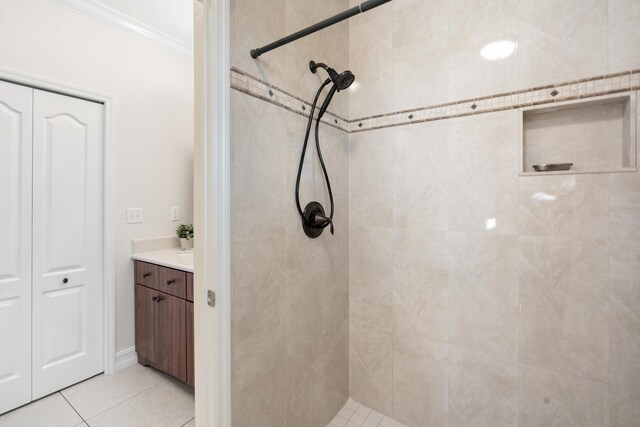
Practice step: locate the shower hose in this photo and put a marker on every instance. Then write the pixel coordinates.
(329, 222)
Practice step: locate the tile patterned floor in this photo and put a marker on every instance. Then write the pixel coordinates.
(132, 397)
(354, 414)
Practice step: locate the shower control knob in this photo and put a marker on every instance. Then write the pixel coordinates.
(315, 221)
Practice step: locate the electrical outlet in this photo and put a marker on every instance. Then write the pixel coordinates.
(134, 215)
(174, 214)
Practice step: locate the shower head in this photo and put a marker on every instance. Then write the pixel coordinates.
(342, 81)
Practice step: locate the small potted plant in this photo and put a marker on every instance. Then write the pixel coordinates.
(185, 233)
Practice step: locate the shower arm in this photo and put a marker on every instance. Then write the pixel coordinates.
(362, 8)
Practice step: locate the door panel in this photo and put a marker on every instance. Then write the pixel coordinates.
(146, 321)
(67, 241)
(172, 351)
(15, 245)
(63, 309)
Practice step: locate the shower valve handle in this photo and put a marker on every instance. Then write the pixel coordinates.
(322, 221)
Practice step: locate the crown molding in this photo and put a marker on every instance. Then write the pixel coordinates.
(116, 19)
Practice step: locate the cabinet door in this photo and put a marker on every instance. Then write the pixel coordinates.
(189, 333)
(146, 329)
(15, 245)
(68, 276)
(172, 349)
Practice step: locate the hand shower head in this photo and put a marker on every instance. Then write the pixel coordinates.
(342, 81)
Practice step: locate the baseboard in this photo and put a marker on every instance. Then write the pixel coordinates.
(126, 358)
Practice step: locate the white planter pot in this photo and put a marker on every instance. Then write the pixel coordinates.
(186, 244)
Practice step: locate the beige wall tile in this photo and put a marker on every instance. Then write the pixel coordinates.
(420, 381)
(421, 283)
(472, 26)
(577, 269)
(559, 333)
(263, 403)
(303, 392)
(421, 176)
(624, 35)
(259, 310)
(625, 403)
(371, 277)
(561, 41)
(624, 206)
(553, 399)
(371, 182)
(303, 290)
(624, 322)
(371, 369)
(419, 56)
(482, 391)
(370, 50)
(483, 170)
(483, 294)
(565, 205)
(334, 373)
(258, 177)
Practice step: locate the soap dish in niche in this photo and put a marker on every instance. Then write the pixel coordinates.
(551, 167)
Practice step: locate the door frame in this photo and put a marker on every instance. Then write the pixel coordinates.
(109, 320)
(212, 212)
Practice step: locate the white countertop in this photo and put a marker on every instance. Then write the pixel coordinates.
(172, 258)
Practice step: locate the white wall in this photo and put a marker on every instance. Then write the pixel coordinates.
(153, 121)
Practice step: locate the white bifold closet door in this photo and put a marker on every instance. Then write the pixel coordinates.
(67, 322)
(15, 245)
(51, 244)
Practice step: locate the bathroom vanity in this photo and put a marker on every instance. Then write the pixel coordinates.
(164, 312)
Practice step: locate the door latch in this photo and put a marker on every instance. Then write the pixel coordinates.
(211, 298)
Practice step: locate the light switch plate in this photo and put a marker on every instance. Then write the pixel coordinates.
(174, 214)
(134, 215)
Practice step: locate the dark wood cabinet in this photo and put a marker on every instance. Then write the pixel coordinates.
(164, 320)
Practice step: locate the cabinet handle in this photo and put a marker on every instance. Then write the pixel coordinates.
(158, 299)
(154, 299)
(145, 275)
(170, 281)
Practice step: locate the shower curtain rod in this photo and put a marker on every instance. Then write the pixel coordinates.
(362, 8)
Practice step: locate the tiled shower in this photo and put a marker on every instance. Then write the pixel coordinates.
(460, 288)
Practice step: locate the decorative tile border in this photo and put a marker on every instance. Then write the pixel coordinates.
(584, 88)
(255, 87)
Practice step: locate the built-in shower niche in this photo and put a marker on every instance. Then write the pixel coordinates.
(596, 135)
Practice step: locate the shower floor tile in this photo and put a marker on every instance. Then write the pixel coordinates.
(354, 414)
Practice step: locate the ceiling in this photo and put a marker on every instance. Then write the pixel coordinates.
(172, 17)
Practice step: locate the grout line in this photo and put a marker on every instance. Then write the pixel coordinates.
(72, 407)
(188, 422)
(126, 400)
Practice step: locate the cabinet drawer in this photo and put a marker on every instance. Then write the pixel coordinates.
(147, 274)
(172, 281)
(190, 287)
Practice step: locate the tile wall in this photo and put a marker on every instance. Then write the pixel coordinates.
(478, 297)
(473, 296)
(290, 294)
